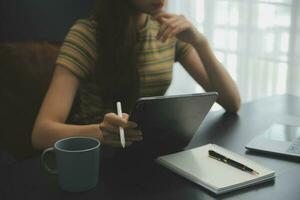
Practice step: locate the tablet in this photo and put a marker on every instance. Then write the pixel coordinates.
(280, 138)
(168, 123)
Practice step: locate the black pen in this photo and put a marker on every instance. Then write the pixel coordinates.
(228, 161)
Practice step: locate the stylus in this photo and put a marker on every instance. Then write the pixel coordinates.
(121, 130)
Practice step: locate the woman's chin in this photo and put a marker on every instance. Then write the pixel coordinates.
(155, 12)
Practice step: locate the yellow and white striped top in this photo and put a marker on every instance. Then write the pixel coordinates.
(78, 54)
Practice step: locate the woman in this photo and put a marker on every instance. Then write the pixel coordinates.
(124, 51)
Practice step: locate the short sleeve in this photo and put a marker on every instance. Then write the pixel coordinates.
(181, 50)
(78, 52)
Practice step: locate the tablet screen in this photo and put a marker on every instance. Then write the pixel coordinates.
(282, 132)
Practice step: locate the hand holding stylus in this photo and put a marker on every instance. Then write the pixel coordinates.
(110, 130)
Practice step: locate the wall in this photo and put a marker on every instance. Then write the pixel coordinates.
(40, 20)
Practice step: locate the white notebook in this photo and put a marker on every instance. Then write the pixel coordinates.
(214, 175)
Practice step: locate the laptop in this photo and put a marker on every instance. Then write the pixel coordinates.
(281, 137)
(168, 123)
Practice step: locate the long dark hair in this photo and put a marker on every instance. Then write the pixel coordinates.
(117, 36)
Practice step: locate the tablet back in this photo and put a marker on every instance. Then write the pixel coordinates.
(168, 123)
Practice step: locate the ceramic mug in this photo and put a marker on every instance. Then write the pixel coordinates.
(77, 160)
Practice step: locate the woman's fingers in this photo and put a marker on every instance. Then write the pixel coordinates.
(109, 127)
(176, 26)
(173, 30)
(119, 121)
(115, 138)
(115, 119)
(133, 135)
(125, 116)
(171, 27)
(115, 129)
(111, 133)
(167, 23)
(179, 29)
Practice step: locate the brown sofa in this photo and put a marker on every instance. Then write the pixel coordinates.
(25, 73)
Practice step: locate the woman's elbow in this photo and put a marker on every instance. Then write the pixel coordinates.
(234, 106)
(36, 136)
(35, 139)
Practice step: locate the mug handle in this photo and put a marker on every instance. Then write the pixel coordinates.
(46, 167)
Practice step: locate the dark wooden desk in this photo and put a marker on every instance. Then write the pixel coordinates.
(27, 179)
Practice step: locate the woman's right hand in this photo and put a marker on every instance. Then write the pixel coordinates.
(110, 130)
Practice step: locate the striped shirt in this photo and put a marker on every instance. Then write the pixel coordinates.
(78, 54)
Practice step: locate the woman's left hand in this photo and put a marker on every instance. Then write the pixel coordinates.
(178, 26)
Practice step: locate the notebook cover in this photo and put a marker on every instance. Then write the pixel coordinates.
(216, 176)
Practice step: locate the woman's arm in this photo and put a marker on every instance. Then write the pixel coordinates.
(200, 62)
(204, 67)
(49, 125)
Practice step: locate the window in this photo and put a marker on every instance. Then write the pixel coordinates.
(256, 40)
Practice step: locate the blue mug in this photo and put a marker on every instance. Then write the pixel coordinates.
(77, 160)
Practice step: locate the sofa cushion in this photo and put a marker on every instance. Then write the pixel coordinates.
(25, 73)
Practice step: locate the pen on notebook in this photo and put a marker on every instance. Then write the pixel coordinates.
(121, 130)
(233, 163)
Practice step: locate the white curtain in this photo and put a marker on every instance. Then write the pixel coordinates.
(258, 41)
